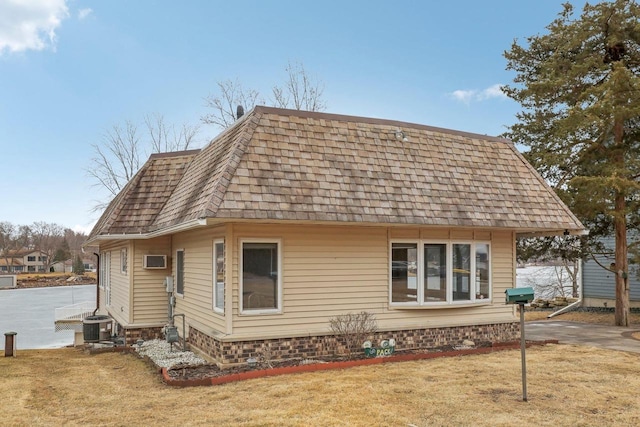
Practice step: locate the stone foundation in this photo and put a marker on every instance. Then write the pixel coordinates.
(231, 353)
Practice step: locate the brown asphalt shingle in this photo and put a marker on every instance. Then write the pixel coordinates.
(279, 164)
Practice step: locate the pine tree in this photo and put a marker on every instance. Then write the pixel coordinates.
(78, 266)
(579, 87)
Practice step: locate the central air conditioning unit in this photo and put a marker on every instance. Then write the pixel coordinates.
(157, 262)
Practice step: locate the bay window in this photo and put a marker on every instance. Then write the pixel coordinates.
(439, 273)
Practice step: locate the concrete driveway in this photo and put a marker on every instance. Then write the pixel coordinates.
(603, 336)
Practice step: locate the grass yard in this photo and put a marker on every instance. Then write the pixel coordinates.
(567, 386)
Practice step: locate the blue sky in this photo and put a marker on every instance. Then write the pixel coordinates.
(89, 65)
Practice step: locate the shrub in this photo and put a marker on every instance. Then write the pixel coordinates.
(354, 329)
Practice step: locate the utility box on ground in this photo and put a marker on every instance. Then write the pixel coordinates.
(8, 281)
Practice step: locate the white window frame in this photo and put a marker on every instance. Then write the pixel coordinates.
(277, 310)
(178, 284)
(124, 261)
(101, 271)
(105, 266)
(449, 302)
(215, 301)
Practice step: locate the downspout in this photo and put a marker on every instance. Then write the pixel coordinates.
(573, 304)
(97, 284)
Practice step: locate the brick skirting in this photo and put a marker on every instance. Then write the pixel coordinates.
(132, 335)
(230, 353)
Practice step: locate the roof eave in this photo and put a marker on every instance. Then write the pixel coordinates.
(188, 225)
(543, 233)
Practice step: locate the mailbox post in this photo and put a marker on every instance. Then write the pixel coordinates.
(521, 296)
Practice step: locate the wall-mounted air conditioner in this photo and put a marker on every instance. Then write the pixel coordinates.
(8, 281)
(154, 262)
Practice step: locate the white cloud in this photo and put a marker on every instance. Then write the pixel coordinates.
(476, 95)
(86, 229)
(464, 95)
(83, 13)
(494, 91)
(30, 25)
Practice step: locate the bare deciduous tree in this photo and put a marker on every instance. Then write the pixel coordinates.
(123, 148)
(12, 238)
(225, 103)
(553, 281)
(116, 159)
(74, 239)
(300, 91)
(47, 238)
(166, 138)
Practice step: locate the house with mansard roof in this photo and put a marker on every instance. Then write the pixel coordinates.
(289, 218)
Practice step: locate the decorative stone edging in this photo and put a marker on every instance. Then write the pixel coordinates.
(260, 373)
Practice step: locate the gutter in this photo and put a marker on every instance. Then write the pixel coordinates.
(581, 232)
(97, 285)
(195, 223)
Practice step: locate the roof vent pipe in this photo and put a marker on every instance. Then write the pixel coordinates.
(239, 112)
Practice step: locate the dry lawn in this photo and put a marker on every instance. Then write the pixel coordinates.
(581, 316)
(567, 386)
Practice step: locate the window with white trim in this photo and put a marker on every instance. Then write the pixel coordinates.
(123, 261)
(218, 276)
(180, 271)
(105, 276)
(425, 273)
(260, 280)
(102, 272)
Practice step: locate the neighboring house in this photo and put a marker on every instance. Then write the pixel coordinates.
(23, 261)
(67, 266)
(290, 218)
(599, 284)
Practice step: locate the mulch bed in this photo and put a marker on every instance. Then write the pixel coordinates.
(188, 376)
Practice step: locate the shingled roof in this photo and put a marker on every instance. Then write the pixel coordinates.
(136, 207)
(289, 165)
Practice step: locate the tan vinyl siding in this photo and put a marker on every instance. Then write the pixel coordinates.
(503, 264)
(197, 301)
(120, 285)
(150, 299)
(329, 271)
(102, 298)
